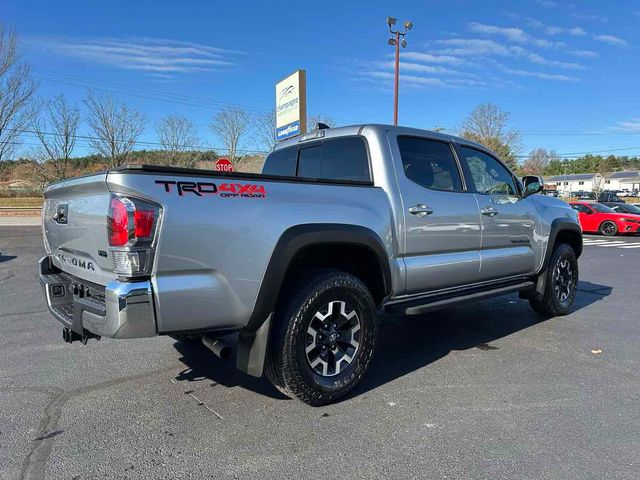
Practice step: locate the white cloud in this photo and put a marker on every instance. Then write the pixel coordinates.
(144, 54)
(632, 125)
(552, 29)
(430, 58)
(516, 35)
(588, 16)
(418, 67)
(540, 75)
(480, 47)
(583, 53)
(612, 40)
(472, 47)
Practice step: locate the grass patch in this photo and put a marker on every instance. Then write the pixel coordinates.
(21, 202)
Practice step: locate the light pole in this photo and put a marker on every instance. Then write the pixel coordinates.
(395, 40)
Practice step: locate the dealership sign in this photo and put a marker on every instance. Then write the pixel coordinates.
(291, 106)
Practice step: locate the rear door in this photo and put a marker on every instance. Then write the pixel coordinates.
(441, 219)
(508, 220)
(75, 227)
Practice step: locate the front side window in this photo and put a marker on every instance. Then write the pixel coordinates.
(488, 174)
(429, 163)
(580, 208)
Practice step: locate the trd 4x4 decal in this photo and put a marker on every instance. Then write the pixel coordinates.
(242, 190)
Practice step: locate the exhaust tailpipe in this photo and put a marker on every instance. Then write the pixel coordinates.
(221, 348)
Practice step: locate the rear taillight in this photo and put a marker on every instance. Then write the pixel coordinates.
(132, 225)
(118, 223)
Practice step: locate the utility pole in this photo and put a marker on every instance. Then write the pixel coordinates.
(395, 40)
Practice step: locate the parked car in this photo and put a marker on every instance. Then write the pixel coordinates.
(584, 195)
(624, 208)
(609, 196)
(342, 223)
(596, 217)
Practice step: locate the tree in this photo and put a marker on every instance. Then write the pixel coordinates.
(264, 128)
(231, 125)
(16, 92)
(179, 141)
(314, 120)
(115, 127)
(56, 129)
(537, 161)
(487, 125)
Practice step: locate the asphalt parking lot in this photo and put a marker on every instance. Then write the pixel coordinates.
(486, 390)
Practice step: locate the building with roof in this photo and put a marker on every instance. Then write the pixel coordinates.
(622, 181)
(575, 182)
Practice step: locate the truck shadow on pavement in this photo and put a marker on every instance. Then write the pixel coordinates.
(203, 365)
(6, 258)
(404, 344)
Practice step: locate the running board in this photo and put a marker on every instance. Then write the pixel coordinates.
(418, 307)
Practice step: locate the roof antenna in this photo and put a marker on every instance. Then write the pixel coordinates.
(322, 126)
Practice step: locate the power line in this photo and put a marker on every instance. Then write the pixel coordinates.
(90, 138)
(174, 98)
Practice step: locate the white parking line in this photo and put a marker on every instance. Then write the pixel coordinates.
(601, 242)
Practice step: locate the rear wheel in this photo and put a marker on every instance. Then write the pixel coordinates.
(323, 338)
(608, 228)
(561, 283)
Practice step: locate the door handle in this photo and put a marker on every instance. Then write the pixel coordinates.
(420, 210)
(489, 211)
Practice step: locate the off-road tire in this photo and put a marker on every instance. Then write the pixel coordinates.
(287, 365)
(551, 304)
(608, 228)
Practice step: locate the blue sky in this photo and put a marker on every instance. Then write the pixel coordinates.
(567, 72)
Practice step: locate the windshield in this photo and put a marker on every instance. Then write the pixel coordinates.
(632, 209)
(601, 208)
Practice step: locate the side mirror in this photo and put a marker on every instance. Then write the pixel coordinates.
(532, 184)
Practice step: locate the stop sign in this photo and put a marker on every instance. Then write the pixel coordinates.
(224, 165)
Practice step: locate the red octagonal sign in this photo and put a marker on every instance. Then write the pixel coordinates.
(224, 165)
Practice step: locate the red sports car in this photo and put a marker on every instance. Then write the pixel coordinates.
(595, 217)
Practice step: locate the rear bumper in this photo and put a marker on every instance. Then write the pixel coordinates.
(119, 310)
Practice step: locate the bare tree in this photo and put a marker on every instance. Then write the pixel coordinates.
(487, 125)
(315, 119)
(231, 125)
(56, 129)
(115, 127)
(264, 130)
(179, 141)
(537, 161)
(16, 92)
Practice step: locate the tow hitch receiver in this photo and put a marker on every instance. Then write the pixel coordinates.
(70, 336)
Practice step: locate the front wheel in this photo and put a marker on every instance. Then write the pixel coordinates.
(323, 338)
(561, 283)
(608, 228)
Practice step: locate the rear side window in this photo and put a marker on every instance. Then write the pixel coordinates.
(343, 158)
(281, 162)
(429, 163)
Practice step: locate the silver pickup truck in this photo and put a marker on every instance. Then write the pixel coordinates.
(297, 263)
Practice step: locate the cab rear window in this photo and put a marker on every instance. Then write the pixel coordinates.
(338, 159)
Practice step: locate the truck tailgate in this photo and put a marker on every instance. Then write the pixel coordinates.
(75, 227)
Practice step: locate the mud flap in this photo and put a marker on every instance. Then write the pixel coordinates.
(252, 349)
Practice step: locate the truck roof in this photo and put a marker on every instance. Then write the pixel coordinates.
(379, 128)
